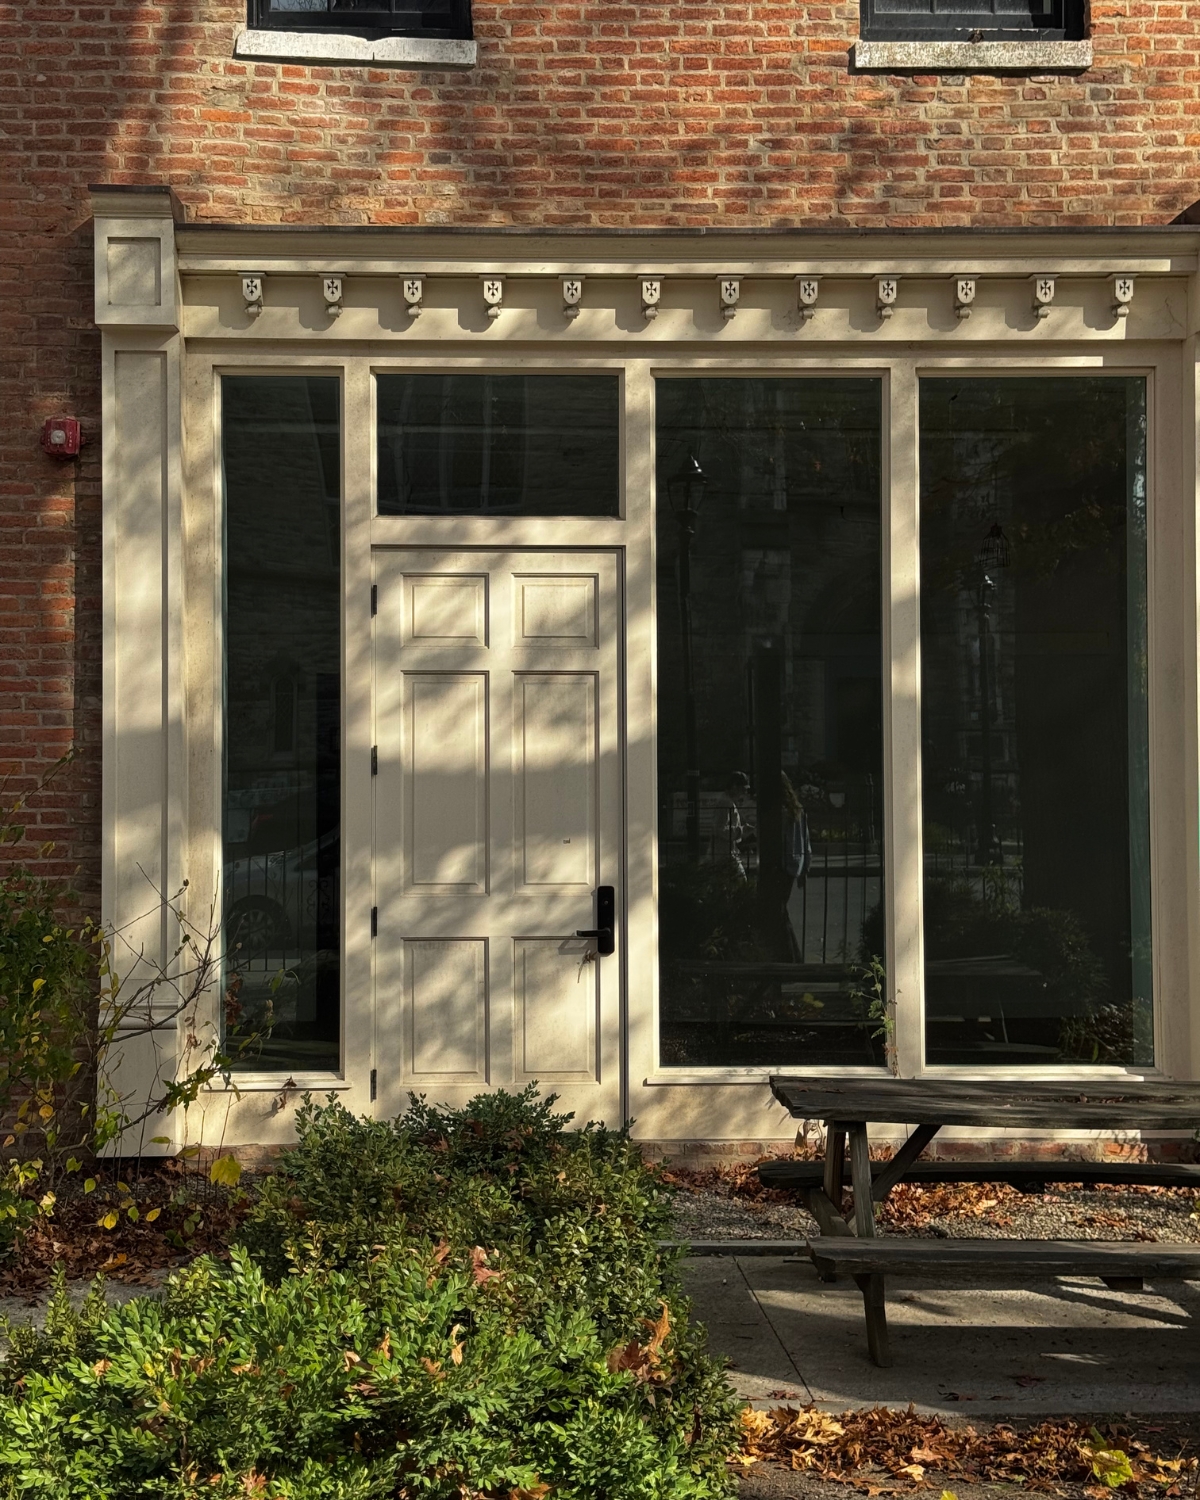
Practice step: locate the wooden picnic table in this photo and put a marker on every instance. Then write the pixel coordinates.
(849, 1106)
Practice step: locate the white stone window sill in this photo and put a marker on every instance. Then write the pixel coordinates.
(973, 57)
(341, 50)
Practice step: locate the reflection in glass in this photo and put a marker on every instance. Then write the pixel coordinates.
(769, 721)
(1034, 722)
(529, 445)
(282, 719)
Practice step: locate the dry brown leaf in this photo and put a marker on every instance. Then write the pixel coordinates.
(456, 1348)
(101, 1368)
(905, 1446)
(480, 1269)
(350, 1358)
(659, 1328)
(434, 1368)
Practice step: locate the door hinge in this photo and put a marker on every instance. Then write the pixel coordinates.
(374, 598)
(374, 1084)
(374, 760)
(374, 921)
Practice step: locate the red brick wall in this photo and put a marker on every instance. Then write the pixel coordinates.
(600, 114)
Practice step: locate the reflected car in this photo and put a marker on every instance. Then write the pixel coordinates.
(281, 899)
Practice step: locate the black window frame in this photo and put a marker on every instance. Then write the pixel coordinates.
(974, 21)
(437, 19)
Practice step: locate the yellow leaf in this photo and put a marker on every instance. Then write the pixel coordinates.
(152, 1215)
(37, 985)
(109, 1220)
(10, 1140)
(46, 1111)
(132, 1212)
(89, 1185)
(226, 1171)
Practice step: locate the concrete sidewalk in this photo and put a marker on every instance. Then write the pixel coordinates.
(1061, 1346)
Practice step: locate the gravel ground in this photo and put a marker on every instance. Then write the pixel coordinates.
(995, 1212)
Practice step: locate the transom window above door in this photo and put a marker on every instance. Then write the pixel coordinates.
(520, 445)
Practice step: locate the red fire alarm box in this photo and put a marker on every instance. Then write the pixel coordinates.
(61, 437)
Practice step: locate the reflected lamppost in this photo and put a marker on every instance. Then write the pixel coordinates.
(992, 555)
(685, 491)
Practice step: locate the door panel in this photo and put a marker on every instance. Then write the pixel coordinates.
(446, 781)
(498, 811)
(554, 749)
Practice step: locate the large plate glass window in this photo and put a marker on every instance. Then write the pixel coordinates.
(521, 445)
(1034, 721)
(769, 722)
(282, 773)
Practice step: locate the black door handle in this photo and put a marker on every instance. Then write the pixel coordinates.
(606, 917)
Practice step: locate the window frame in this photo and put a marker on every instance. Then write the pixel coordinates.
(387, 18)
(976, 24)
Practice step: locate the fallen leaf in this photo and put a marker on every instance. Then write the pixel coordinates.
(480, 1269)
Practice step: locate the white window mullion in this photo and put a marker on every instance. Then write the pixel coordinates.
(902, 716)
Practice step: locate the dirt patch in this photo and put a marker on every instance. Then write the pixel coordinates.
(130, 1227)
(890, 1452)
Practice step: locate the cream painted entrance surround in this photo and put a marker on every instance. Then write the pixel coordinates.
(172, 301)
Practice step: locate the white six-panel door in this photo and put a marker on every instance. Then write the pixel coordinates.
(498, 813)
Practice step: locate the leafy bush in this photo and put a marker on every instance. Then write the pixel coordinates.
(459, 1303)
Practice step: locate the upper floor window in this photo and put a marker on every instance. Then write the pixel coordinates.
(972, 20)
(370, 18)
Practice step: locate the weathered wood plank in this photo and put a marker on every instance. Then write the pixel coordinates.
(892, 1171)
(806, 1174)
(911, 1257)
(991, 1103)
(860, 1179)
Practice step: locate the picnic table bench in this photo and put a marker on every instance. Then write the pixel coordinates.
(848, 1106)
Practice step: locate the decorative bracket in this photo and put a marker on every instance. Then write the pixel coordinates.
(964, 296)
(886, 289)
(572, 290)
(493, 294)
(332, 288)
(1043, 295)
(807, 290)
(413, 288)
(651, 296)
(252, 292)
(730, 288)
(1122, 295)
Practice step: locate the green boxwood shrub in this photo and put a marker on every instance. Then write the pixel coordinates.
(454, 1304)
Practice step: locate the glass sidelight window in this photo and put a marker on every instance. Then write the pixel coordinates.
(769, 721)
(1034, 721)
(282, 772)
